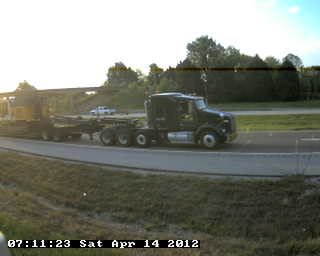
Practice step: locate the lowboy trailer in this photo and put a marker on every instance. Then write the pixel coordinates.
(28, 115)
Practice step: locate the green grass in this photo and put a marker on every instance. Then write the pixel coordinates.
(44, 199)
(257, 105)
(278, 122)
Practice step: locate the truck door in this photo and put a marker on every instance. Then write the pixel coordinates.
(160, 116)
(187, 115)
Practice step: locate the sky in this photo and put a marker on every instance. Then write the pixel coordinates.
(72, 43)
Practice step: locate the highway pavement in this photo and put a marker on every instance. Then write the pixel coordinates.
(275, 142)
(261, 154)
(248, 142)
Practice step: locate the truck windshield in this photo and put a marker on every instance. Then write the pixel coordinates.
(201, 104)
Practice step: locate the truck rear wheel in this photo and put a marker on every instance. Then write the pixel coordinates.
(76, 136)
(124, 138)
(142, 139)
(209, 139)
(46, 135)
(59, 136)
(107, 137)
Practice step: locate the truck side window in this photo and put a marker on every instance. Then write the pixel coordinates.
(185, 111)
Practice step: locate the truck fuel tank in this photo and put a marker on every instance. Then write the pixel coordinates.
(181, 137)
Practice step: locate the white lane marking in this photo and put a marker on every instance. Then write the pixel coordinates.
(310, 139)
(270, 134)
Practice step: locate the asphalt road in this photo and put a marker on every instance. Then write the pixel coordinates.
(249, 142)
(275, 142)
(292, 153)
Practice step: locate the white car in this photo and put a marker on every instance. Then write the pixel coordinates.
(102, 110)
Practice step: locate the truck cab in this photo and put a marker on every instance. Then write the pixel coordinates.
(184, 119)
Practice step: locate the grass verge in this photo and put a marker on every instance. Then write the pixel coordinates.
(257, 105)
(278, 122)
(44, 199)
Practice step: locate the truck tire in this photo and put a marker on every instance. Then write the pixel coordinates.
(76, 136)
(124, 138)
(46, 135)
(107, 137)
(142, 139)
(208, 139)
(59, 136)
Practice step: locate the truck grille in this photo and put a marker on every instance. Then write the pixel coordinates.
(230, 123)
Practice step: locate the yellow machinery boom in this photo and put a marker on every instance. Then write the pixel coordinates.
(32, 105)
(27, 107)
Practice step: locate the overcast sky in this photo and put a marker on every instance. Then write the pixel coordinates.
(72, 43)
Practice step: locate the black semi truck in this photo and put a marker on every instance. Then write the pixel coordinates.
(174, 118)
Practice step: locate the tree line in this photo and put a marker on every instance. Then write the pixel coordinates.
(222, 74)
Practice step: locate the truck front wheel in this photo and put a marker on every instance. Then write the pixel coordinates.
(46, 135)
(208, 139)
(59, 136)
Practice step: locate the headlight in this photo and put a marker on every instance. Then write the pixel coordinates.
(221, 115)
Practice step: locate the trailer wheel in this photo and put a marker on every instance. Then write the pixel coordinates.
(76, 136)
(46, 135)
(107, 137)
(124, 138)
(142, 139)
(59, 136)
(208, 139)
